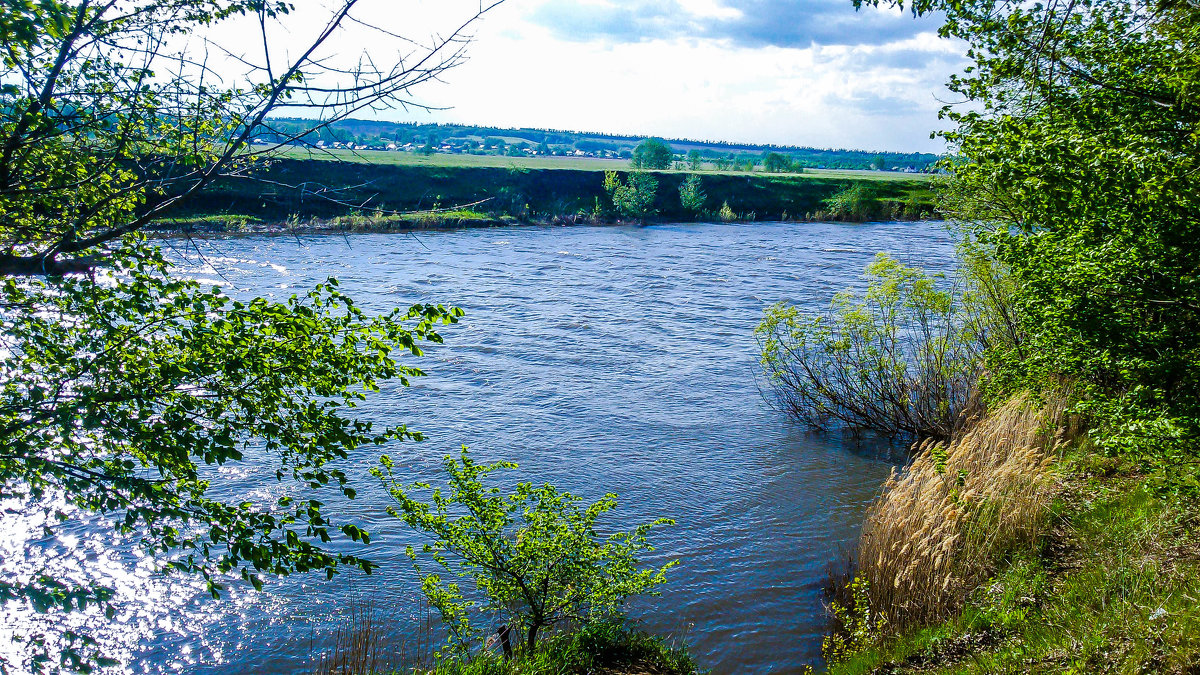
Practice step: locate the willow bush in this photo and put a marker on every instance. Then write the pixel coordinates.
(902, 359)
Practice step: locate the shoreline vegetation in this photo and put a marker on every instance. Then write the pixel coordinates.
(1048, 520)
(365, 646)
(1013, 541)
(1020, 547)
(230, 226)
(293, 196)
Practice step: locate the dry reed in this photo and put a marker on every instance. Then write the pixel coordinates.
(358, 645)
(367, 644)
(936, 532)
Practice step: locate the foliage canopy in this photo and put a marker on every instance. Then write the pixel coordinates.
(1076, 173)
(774, 162)
(122, 386)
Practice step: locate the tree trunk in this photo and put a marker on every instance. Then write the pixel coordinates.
(533, 631)
(505, 641)
(35, 266)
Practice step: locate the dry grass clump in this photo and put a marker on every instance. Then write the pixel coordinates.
(358, 645)
(366, 643)
(940, 526)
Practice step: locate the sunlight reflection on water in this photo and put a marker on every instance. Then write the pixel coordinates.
(598, 358)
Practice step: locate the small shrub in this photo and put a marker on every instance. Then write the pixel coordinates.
(633, 198)
(912, 208)
(534, 556)
(856, 203)
(857, 626)
(606, 647)
(726, 214)
(691, 194)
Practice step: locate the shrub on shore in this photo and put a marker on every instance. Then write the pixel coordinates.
(902, 359)
(363, 646)
(633, 197)
(611, 647)
(857, 202)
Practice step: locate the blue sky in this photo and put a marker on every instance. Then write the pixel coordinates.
(804, 72)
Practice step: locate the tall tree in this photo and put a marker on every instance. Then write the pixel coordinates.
(119, 382)
(1078, 155)
(775, 162)
(653, 154)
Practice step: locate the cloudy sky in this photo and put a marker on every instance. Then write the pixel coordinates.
(804, 72)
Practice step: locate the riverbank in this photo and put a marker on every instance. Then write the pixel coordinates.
(610, 647)
(226, 225)
(219, 225)
(1111, 583)
(353, 196)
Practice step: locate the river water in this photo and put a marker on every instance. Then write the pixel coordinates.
(600, 359)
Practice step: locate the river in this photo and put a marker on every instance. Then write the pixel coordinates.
(599, 359)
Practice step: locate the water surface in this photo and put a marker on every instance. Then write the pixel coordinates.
(600, 359)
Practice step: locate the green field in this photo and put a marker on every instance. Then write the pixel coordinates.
(397, 190)
(573, 163)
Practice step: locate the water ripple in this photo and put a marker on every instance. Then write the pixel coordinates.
(600, 359)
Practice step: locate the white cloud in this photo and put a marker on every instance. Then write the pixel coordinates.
(860, 93)
(710, 9)
(706, 89)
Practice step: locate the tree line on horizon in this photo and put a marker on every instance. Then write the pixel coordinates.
(470, 139)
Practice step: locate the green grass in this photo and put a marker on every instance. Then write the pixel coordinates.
(861, 174)
(614, 648)
(457, 161)
(313, 189)
(573, 163)
(1114, 589)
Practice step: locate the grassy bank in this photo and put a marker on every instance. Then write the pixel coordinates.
(1106, 580)
(604, 648)
(310, 190)
(387, 158)
(615, 648)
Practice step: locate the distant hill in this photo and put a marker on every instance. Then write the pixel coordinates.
(468, 139)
